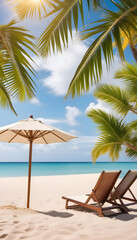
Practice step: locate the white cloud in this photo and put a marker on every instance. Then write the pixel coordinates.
(62, 66)
(35, 101)
(99, 105)
(70, 118)
(72, 113)
(51, 121)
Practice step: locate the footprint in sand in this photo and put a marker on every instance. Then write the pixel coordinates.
(15, 222)
(23, 237)
(28, 229)
(16, 232)
(3, 235)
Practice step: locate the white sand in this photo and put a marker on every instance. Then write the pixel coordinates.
(47, 217)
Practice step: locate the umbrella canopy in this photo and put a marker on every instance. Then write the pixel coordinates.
(32, 131)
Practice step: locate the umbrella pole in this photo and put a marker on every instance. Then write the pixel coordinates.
(29, 174)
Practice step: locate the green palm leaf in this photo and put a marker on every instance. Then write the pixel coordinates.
(113, 134)
(89, 70)
(108, 124)
(131, 153)
(131, 145)
(114, 96)
(58, 30)
(5, 100)
(56, 34)
(16, 69)
(32, 8)
(128, 73)
(106, 144)
(132, 126)
(25, 8)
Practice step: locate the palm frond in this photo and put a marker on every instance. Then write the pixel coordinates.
(132, 126)
(131, 148)
(15, 43)
(68, 13)
(56, 34)
(131, 153)
(5, 100)
(106, 144)
(114, 96)
(38, 8)
(128, 73)
(32, 8)
(95, 3)
(113, 134)
(108, 124)
(132, 132)
(89, 70)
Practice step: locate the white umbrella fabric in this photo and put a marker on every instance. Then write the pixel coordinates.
(32, 131)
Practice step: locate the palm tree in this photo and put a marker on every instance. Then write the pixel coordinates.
(105, 31)
(115, 132)
(16, 70)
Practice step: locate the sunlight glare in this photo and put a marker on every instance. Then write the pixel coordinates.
(35, 1)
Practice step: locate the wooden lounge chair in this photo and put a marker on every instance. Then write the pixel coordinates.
(99, 195)
(123, 187)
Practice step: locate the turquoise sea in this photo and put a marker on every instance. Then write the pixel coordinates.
(65, 168)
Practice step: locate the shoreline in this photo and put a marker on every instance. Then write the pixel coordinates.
(78, 174)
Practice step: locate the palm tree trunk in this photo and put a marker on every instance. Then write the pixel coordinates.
(134, 51)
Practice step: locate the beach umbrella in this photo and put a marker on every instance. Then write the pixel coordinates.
(32, 131)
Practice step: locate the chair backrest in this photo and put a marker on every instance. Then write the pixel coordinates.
(125, 183)
(104, 186)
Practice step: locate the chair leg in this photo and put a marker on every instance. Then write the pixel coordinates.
(66, 206)
(101, 213)
(123, 208)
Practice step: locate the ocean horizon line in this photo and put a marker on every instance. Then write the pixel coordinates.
(67, 162)
(18, 169)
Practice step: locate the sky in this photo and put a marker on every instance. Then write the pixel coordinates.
(53, 77)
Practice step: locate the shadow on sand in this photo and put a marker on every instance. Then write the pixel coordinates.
(57, 214)
(111, 214)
